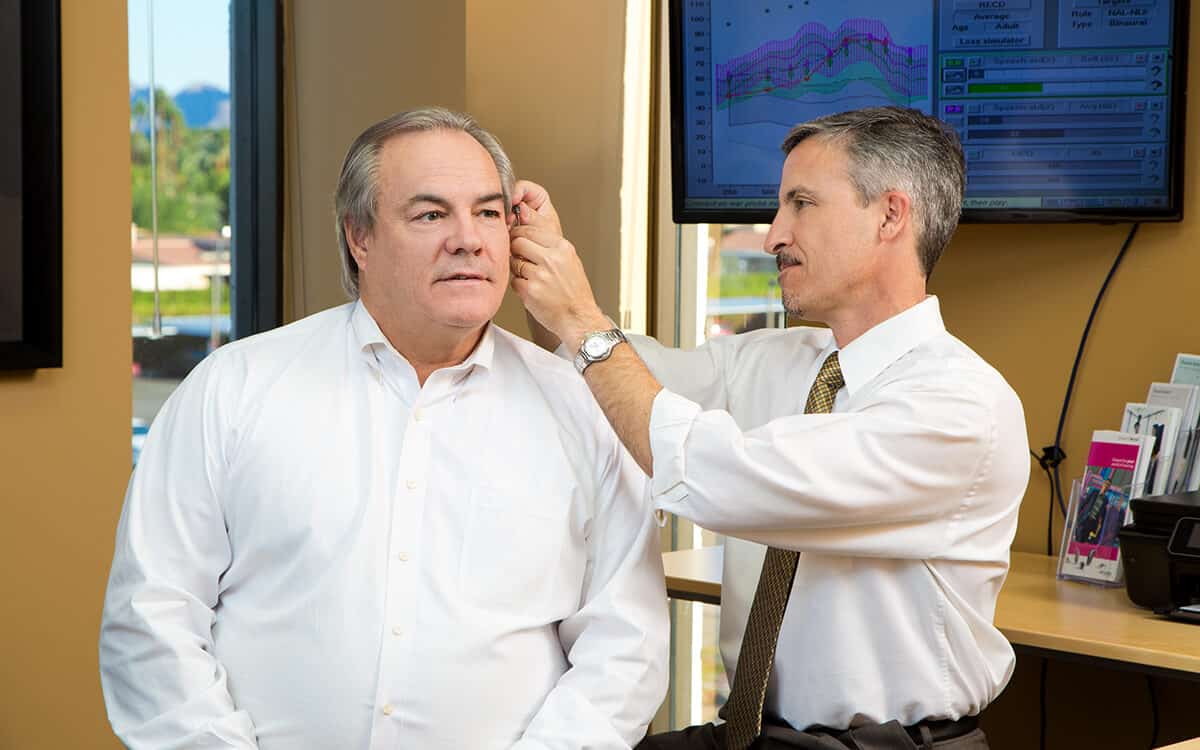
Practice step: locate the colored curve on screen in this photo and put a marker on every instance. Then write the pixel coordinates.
(816, 64)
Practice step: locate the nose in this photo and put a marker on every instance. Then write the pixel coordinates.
(779, 236)
(465, 239)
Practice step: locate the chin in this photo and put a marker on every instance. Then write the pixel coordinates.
(469, 318)
(794, 305)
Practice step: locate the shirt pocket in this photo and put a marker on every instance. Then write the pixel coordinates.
(516, 550)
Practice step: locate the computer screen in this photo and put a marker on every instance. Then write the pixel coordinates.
(1067, 110)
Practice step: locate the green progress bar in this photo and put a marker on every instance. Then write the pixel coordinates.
(1004, 88)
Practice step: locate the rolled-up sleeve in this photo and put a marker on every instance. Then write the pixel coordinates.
(900, 477)
(671, 420)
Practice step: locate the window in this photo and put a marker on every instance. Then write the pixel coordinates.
(741, 293)
(199, 193)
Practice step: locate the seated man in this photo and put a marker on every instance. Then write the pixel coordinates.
(333, 539)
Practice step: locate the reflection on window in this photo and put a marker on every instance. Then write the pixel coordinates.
(743, 284)
(180, 237)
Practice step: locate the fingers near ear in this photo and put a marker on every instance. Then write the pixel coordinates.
(525, 191)
(527, 248)
(544, 236)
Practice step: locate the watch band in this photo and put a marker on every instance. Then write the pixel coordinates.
(597, 346)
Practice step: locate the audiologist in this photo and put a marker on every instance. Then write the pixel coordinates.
(867, 475)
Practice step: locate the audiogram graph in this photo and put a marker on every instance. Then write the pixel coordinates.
(855, 65)
(771, 71)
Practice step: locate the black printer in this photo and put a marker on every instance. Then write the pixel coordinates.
(1161, 553)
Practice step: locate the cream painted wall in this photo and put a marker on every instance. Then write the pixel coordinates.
(64, 434)
(546, 78)
(347, 65)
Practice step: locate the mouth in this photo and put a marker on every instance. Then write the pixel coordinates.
(459, 278)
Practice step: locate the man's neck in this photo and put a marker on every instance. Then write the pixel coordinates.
(428, 348)
(870, 309)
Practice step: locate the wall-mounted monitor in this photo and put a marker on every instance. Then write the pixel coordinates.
(1067, 110)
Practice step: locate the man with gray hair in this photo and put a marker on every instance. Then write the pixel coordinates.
(332, 540)
(868, 523)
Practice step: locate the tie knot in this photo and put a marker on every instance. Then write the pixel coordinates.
(830, 375)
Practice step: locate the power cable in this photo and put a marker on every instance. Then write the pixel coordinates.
(1053, 455)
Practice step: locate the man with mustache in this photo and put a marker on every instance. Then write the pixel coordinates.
(332, 539)
(867, 475)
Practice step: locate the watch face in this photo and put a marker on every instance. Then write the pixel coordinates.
(595, 346)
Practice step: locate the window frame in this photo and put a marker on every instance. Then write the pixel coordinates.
(256, 173)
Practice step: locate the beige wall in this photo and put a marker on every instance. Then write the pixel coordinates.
(349, 64)
(546, 78)
(64, 434)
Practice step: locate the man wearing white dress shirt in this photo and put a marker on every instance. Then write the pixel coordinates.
(882, 449)
(334, 539)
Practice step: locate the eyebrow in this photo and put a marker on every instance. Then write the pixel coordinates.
(796, 192)
(438, 200)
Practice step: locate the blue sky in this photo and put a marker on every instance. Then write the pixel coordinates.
(191, 43)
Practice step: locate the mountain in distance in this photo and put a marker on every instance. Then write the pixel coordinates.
(202, 105)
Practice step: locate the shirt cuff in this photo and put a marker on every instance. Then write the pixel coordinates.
(671, 419)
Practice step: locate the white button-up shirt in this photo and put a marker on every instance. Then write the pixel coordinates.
(317, 552)
(903, 502)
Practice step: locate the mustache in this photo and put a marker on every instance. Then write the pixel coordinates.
(785, 261)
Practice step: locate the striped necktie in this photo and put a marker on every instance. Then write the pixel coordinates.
(745, 706)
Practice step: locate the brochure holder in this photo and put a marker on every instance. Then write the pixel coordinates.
(1090, 550)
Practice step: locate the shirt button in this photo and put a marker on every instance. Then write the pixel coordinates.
(411, 484)
(387, 709)
(419, 415)
(397, 631)
(402, 557)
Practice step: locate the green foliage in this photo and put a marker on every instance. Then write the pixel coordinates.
(193, 171)
(178, 302)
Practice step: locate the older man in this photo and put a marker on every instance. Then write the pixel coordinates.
(868, 474)
(332, 539)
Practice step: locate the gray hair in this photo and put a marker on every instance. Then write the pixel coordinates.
(893, 148)
(357, 197)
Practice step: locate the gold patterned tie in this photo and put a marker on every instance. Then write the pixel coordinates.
(744, 709)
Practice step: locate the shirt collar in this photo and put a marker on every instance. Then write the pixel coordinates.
(373, 344)
(872, 352)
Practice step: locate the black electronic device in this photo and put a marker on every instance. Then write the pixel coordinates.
(1185, 539)
(1067, 110)
(1161, 554)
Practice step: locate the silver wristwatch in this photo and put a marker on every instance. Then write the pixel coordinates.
(597, 346)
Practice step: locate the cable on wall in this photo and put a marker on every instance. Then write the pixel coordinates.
(1053, 455)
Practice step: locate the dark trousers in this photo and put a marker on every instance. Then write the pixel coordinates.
(889, 736)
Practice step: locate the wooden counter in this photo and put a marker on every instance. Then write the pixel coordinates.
(1036, 612)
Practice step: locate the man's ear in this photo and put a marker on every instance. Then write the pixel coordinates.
(897, 214)
(356, 239)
